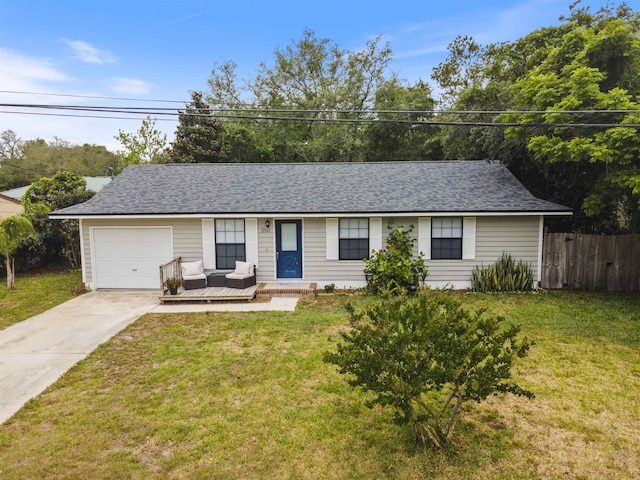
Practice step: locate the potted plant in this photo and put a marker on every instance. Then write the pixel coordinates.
(172, 283)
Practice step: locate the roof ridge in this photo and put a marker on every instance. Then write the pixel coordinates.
(385, 162)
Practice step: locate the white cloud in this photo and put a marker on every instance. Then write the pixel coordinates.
(131, 86)
(24, 73)
(87, 53)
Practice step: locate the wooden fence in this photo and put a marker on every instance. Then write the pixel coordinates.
(591, 262)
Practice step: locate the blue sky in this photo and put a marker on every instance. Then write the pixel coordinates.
(164, 49)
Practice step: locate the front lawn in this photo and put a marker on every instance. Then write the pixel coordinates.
(35, 293)
(213, 395)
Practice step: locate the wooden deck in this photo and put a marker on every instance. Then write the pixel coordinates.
(211, 294)
(226, 294)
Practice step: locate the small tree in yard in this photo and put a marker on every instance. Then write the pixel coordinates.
(392, 269)
(12, 231)
(426, 357)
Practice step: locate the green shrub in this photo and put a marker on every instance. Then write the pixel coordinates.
(392, 269)
(503, 276)
(425, 357)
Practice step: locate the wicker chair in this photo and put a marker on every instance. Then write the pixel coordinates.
(243, 276)
(193, 275)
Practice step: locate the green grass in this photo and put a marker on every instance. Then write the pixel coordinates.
(36, 292)
(213, 395)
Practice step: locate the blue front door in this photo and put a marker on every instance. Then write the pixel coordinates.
(289, 248)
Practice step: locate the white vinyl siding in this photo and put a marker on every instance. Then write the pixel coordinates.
(318, 266)
(494, 235)
(519, 236)
(266, 250)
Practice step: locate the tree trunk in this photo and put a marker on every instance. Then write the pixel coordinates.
(10, 272)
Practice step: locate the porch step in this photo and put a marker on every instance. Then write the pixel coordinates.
(286, 289)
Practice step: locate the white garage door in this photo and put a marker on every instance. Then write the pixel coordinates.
(130, 257)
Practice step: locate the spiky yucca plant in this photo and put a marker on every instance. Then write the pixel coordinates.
(505, 275)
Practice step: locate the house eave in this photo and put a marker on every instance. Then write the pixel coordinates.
(465, 213)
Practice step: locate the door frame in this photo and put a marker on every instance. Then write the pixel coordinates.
(276, 223)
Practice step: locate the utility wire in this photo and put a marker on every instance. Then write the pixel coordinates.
(353, 120)
(239, 115)
(249, 107)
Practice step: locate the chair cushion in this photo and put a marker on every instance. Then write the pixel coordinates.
(197, 276)
(236, 276)
(192, 268)
(243, 268)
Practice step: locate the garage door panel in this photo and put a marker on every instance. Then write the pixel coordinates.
(130, 257)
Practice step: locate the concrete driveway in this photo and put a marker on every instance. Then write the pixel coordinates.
(35, 352)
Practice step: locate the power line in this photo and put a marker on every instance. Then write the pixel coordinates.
(349, 120)
(250, 108)
(255, 115)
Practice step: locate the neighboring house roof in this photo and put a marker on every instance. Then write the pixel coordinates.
(9, 207)
(93, 183)
(313, 188)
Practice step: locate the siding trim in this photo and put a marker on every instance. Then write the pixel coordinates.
(332, 242)
(424, 236)
(208, 243)
(251, 240)
(468, 238)
(375, 233)
(540, 247)
(82, 255)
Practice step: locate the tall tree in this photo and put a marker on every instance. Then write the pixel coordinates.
(589, 61)
(199, 136)
(10, 145)
(33, 159)
(596, 67)
(403, 141)
(301, 104)
(13, 230)
(61, 237)
(146, 145)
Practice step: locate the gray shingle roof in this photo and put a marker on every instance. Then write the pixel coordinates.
(313, 188)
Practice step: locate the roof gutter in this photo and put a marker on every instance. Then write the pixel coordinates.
(55, 216)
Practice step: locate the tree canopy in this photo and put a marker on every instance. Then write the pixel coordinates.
(578, 72)
(56, 238)
(22, 162)
(307, 104)
(146, 145)
(199, 136)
